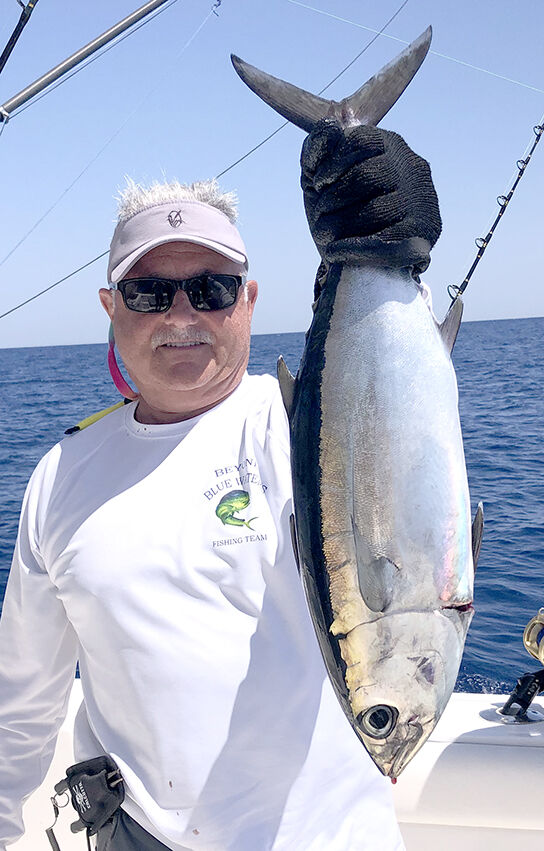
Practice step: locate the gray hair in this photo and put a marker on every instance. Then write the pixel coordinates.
(135, 197)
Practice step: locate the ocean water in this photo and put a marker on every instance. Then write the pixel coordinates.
(500, 371)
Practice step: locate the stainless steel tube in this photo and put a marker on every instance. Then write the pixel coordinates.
(34, 88)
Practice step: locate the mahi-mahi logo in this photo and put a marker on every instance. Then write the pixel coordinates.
(231, 504)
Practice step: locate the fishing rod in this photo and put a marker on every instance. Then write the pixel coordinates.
(215, 7)
(14, 37)
(59, 70)
(482, 242)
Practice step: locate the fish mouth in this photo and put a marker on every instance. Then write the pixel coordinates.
(392, 765)
(422, 728)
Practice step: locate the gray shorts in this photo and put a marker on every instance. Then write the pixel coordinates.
(125, 834)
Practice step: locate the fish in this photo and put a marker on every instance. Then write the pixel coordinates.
(231, 504)
(381, 528)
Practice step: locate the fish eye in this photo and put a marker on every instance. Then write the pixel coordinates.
(378, 721)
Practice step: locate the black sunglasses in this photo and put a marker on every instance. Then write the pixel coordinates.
(205, 292)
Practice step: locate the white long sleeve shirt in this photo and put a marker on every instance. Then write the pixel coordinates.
(200, 671)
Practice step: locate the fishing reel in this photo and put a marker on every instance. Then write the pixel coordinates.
(516, 709)
(533, 637)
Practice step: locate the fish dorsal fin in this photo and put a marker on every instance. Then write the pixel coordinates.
(477, 533)
(449, 328)
(367, 105)
(287, 385)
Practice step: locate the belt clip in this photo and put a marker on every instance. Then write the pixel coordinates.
(117, 775)
(61, 789)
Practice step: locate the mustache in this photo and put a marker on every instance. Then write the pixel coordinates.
(163, 336)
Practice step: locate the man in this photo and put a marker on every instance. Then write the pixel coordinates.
(154, 548)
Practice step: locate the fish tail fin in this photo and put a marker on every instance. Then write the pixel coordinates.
(297, 105)
(367, 105)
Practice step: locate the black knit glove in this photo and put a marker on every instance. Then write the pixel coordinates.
(368, 196)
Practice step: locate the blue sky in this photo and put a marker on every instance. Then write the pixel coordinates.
(152, 106)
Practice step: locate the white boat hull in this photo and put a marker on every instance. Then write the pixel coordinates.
(476, 784)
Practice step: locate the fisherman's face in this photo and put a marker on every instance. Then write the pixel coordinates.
(179, 381)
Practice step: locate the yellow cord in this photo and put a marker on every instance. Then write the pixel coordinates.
(94, 418)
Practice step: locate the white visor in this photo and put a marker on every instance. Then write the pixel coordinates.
(181, 221)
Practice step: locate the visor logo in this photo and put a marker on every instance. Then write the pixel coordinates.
(175, 219)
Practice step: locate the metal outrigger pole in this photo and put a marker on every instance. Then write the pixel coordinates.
(59, 70)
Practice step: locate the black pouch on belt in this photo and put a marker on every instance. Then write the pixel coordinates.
(97, 790)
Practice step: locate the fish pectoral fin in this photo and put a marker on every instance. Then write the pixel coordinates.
(477, 533)
(287, 385)
(376, 575)
(376, 579)
(449, 328)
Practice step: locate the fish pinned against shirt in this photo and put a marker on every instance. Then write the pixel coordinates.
(382, 529)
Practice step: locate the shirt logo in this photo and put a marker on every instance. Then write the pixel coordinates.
(174, 218)
(232, 485)
(230, 505)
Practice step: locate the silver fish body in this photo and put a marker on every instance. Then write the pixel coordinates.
(382, 507)
(382, 518)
